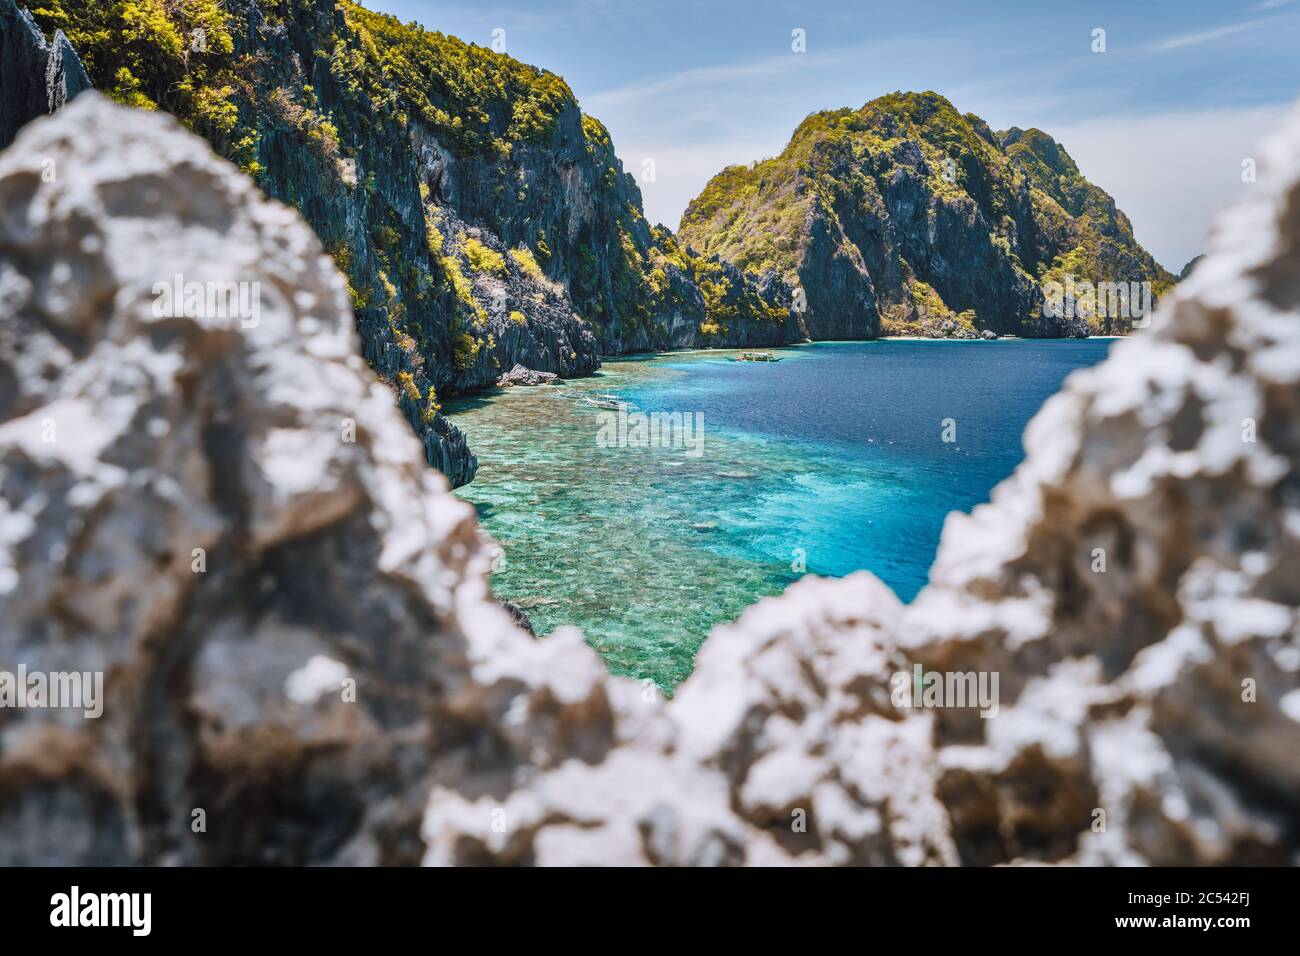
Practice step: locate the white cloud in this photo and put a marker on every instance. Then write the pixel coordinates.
(681, 173)
(1193, 39)
(702, 83)
(652, 88)
(1171, 172)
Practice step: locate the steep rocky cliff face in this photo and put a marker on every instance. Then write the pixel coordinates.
(481, 218)
(235, 526)
(1081, 231)
(1133, 586)
(303, 663)
(37, 76)
(907, 217)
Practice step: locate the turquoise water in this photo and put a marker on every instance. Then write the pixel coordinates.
(828, 461)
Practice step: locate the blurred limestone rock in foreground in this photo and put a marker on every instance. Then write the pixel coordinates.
(1149, 713)
(225, 687)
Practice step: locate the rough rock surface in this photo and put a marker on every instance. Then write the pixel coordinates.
(37, 76)
(395, 197)
(526, 376)
(181, 508)
(907, 217)
(1148, 712)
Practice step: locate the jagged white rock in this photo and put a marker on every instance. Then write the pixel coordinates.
(1123, 733)
(181, 507)
(1145, 712)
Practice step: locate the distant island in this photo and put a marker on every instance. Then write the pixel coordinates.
(906, 217)
(484, 222)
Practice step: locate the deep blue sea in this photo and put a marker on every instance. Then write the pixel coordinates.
(831, 460)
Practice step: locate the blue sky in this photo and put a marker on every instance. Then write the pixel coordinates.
(1162, 119)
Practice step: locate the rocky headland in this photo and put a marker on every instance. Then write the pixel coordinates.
(483, 221)
(907, 217)
(300, 649)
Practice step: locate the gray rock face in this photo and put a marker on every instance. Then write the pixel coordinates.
(445, 445)
(36, 76)
(65, 77)
(234, 526)
(1133, 587)
(339, 139)
(526, 376)
(905, 215)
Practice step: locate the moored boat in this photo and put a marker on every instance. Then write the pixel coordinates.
(605, 400)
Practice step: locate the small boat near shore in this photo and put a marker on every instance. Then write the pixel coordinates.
(605, 400)
(755, 357)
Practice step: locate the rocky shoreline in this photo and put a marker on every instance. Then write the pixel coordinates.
(180, 510)
(464, 261)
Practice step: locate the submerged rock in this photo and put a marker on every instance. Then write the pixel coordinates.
(519, 617)
(37, 77)
(181, 509)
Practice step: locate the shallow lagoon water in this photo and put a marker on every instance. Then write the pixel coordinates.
(831, 459)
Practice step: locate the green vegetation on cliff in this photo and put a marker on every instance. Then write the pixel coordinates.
(757, 215)
(317, 96)
(1098, 235)
(475, 100)
(920, 217)
(177, 55)
(174, 55)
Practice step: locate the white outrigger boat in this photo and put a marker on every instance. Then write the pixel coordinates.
(756, 357)
(604, 400)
